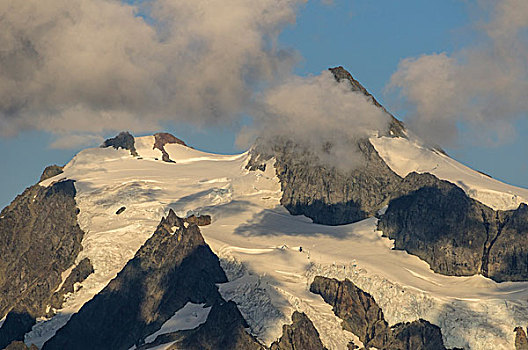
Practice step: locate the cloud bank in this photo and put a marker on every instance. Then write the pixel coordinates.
(481, 90)
(89, 66)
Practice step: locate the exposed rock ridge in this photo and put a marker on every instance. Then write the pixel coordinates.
(457, 235)
(362, 316)
(123, 140)
(396, 127)
(79, 273)
(225, 330)
(163, 138)
(51, 171)
(521, 342)
(39, 239)
(174, 266)
(300, 335)
(327, 195)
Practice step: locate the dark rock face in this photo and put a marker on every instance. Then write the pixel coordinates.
(358, 310)
(457, 235)
(363, 317)
(39, 239)
(224, 329)
(416, 335)
(521, 343)
(396, 127)
(77, 275)
(508, 253)
(436, 221)
(163, 138)
(300, 335)
(51, 171)
(328, 196)
(123, 140)
(173, 267)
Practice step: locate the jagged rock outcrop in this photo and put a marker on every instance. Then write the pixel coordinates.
(362, 316)
(123, 140)
(327, 195)
(358, 310)
(457, 235)
(39, 239)
(300, 335)
(201, 220)
(163, 138)
(174, 266)
(521, 342)
(508, 251)
(19, 345)
(79, 273)
(436, 221)
(416, 335)
(51, 171)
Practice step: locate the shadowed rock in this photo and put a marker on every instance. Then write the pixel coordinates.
(39, 239)
(77, 275)
(362, 316)
(123, 140)
(416, 335)
(224, 329)
(174, 266)
(327, 195)
(358, 310)
(457, 235)
(300, 335)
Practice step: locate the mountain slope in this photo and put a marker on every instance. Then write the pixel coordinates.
(39, 240)
(271, 257)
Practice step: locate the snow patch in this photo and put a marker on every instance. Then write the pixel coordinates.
(188, 317)
(404, 156)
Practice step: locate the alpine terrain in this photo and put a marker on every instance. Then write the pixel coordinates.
(147, 243)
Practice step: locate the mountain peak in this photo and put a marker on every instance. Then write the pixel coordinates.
(396, 127)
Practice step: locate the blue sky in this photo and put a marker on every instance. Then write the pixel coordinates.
(368, 38)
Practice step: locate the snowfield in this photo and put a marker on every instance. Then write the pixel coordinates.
(259, 244)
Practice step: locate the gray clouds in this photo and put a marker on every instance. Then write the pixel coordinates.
(484, 87)
(86, 66)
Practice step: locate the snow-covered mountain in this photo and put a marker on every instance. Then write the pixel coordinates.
(269, 256)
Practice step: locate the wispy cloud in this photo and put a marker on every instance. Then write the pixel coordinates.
(482, 88)
(321, 114)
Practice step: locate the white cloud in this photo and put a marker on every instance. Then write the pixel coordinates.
(317, 112)
(482, 87)
(94, 65)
